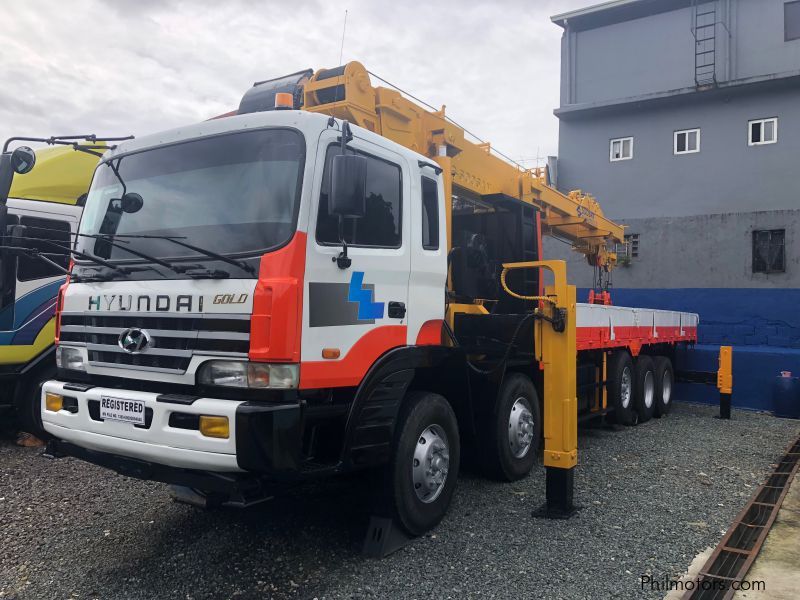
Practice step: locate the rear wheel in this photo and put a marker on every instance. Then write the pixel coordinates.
(515, 430)
(620, 387)
(644, 390)
(664, 380)
(424, 466)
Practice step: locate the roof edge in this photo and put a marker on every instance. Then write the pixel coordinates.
(561, 19)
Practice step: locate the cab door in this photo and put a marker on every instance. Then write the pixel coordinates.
(354, 315)
(31, 287)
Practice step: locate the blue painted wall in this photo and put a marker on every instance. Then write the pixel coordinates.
(755, 370)
(730, 317)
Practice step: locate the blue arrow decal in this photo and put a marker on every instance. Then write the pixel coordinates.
(367, 308)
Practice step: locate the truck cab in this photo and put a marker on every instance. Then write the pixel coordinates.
(189, 365)
(45, 205)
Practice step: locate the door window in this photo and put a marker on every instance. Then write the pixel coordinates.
(381, 225)
(430, 214)
(39, 232)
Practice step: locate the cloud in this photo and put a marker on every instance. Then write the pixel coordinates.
(140, 66)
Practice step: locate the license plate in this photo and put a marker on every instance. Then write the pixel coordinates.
(118, 409)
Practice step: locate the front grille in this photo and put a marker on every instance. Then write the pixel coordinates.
(174, 339)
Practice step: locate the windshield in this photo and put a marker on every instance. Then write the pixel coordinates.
(230, 194)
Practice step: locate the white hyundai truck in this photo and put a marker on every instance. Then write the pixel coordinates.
(330, 280)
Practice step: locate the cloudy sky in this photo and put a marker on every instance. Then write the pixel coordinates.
(116, 67)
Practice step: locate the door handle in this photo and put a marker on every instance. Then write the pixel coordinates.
(397, 310)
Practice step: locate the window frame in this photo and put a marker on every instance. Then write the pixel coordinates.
(678, 132)
(767, 270)
(202, 136)
(750, 124)
(368, 155)
(21, 260)
(432, 228)
(628, 249)
(622, 141)
(786, 5)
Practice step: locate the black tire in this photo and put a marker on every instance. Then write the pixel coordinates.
(620, 378)
(422, 413)
(644, 389)
(665, 384)
(508, 459)
(28, 404)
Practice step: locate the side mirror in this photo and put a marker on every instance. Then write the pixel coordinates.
(132, 202)
(129, 203)
(23, 159)
(348, 196)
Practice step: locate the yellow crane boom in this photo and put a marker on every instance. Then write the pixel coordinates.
(347, 93)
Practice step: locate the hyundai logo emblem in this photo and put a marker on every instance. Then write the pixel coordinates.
(134, 340)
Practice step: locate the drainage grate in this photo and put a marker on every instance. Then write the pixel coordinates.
(731, 560)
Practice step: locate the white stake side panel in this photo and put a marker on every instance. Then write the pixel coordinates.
(601, 326)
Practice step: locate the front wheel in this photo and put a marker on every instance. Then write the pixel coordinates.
(424, 467)
(29, 405)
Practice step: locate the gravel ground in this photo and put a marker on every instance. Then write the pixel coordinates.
(653, 496)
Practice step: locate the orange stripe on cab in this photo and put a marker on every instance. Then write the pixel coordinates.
(276, 323)
(350, 370)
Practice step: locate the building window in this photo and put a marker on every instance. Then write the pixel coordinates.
(629, 249)
(762, 131)
(769, 251)
(791, 21)
(621, 149)
(686, 141)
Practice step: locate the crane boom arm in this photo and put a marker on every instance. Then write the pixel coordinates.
(346, 92)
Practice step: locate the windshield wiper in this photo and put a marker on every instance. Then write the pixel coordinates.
(108, 237)
(91, 257)
(209, 253)
(105, 238)
(198, 272)
(32, 252)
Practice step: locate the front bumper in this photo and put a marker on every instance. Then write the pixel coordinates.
(264, 438)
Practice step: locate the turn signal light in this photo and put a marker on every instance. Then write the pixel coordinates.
(331, 353)
(215, 427)
(53, 402)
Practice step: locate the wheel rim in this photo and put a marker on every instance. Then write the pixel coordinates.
(649, 389)
(520, 428)
(666, 387)
(431, 463)
(625, 387)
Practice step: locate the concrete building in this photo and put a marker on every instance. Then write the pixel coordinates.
(683, 118)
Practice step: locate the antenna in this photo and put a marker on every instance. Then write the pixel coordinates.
(332, 119)
(344, 30)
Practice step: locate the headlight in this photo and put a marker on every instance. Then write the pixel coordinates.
(243, 374)
(70, 358)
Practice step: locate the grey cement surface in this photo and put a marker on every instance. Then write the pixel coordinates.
(633, 59)
(653, 496)
(703, 251)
